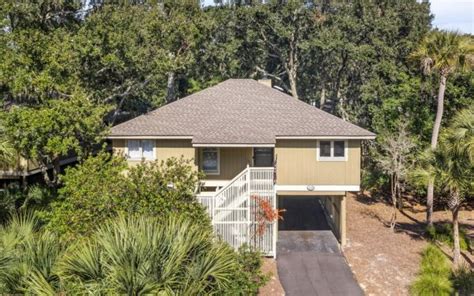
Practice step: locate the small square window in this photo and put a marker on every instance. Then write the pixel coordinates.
(210, 160)
(134, 149)
(325, 149)
(339, 148)
(147, 146)
(139, 149)
(332, 151)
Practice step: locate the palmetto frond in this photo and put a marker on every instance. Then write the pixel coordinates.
(128, 255)
(451, 164)
(445, 52)
(27, 257)
(143, 255)
(460, 136)
(8, 155)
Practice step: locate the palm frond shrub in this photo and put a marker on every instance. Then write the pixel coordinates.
(27, 257)
(142, 255)
(130, 255)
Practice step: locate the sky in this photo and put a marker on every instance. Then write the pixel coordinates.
(453, 15)
(448, 14)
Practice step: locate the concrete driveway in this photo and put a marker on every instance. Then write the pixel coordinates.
(310, 261)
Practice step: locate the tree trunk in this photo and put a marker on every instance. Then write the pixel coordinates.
(434, 143)
(429, 203)
(170, 89)
(290, 69)
(393, 219)
(439, 112)
(56, 170)
(456, 245)
(291, 66)
(322, 100)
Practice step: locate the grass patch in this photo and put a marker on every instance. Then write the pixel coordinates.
(435, 274)
(444, 233)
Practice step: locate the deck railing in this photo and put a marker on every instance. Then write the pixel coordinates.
(233, 209)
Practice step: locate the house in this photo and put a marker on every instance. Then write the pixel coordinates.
(251, 140)
(25, 170)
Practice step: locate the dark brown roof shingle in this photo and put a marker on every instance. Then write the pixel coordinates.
(238, 111)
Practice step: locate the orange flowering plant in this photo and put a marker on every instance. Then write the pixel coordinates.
(265, 213)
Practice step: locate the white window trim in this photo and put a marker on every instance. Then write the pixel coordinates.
(141, 150)
(213, 173)
(332, 157)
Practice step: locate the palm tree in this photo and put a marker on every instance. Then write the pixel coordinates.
(443, 52)
(452, 165)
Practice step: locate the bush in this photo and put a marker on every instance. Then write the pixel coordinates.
(444, 233)
(104, 187)
(250, 277)
(463, 280)
(27, 257)
(127, 255)
(14, 198)
(434, 276)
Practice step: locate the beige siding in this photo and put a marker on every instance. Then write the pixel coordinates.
(309, 193)
(174, 148)
(335, 208)
(164, 149)
(118, 147)
(332, 205)
(232, 162)
(297, 164)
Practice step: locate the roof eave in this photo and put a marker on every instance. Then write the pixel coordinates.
(366, 137)
(223, 145)
(131, 137)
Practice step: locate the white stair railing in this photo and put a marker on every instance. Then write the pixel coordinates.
(232, 209)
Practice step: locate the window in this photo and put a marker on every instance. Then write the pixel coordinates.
(210, 161)
(325, 149)
(263, 157)
(339, 148)
(141, 149)
(332, 150)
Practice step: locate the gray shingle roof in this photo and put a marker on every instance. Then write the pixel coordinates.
(238, 111)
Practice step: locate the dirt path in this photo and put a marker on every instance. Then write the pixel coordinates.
(273, 287)
(385, 263)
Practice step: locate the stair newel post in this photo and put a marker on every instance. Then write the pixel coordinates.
(249, 219)
(275, 223)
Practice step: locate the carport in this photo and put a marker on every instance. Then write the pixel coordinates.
(312, 212)
(309, 257)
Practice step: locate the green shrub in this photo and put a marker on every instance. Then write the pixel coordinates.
(434, 276)
(463, 280)
(14, 198)
(27, 257)
(250, 277)
(104, 187)
(125, 256)
(444, 233)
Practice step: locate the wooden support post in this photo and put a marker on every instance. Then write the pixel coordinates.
(342, 220)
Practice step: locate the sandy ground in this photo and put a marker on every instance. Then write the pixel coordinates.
(385, 263)
(273, 287)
